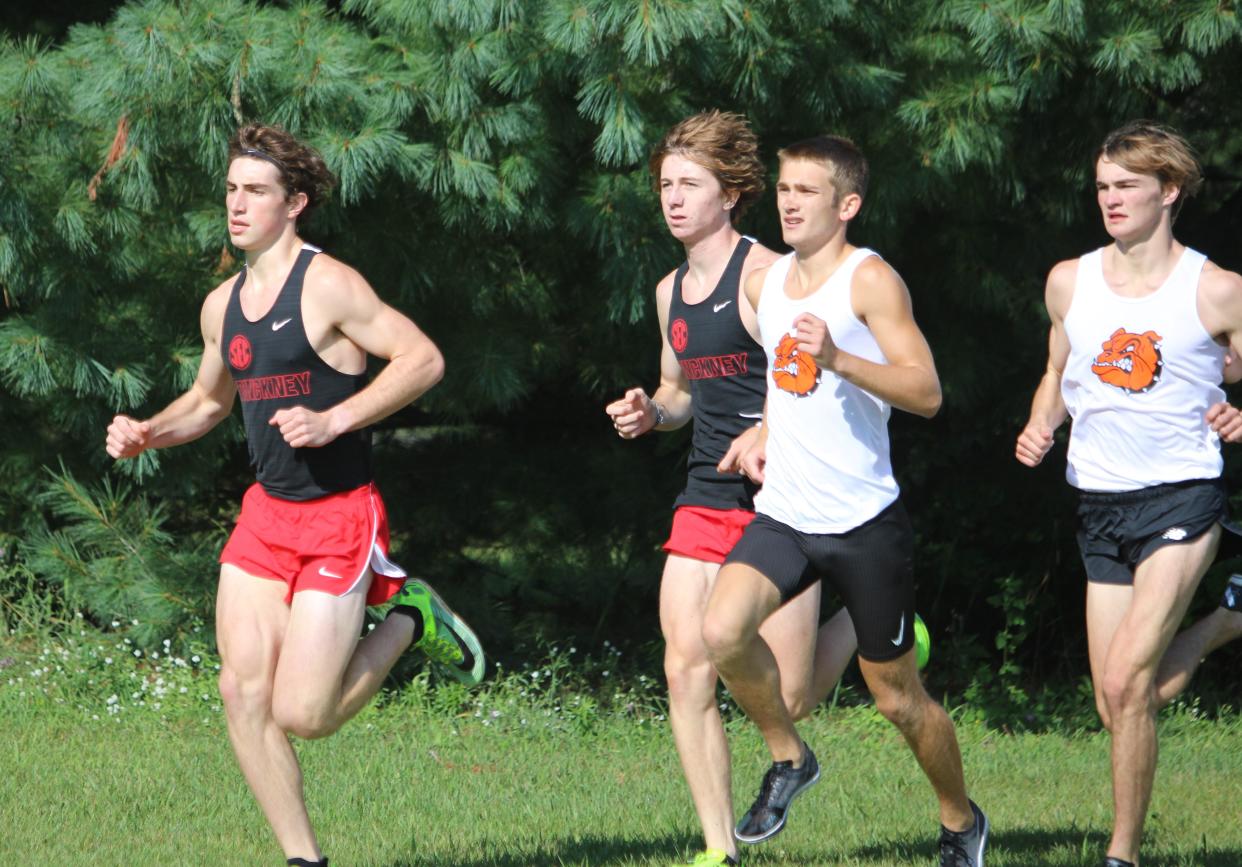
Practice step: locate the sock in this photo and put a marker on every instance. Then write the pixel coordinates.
(302, 862)
(974, 823)
(1117, 862)
(412, 613)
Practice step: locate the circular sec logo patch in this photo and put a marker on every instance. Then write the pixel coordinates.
(240, 355)
(679, 334)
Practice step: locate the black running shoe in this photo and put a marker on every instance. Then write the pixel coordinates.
(965, 848)
(781, 784)
(1117, 862)
(1232, 598)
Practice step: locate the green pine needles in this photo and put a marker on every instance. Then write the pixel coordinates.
(491, 157)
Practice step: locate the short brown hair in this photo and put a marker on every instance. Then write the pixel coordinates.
(1150, 148)
(302, 169)
(844, 160)
(721, 142)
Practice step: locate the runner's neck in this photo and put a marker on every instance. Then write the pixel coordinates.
(708, 258)
(268, 268)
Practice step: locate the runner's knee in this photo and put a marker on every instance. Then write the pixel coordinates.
(242, 695)
(798, 703)
(689, 673)
(724, 637)
(1126, 691)
(303, 719)
(1101, 708)
(901, 704)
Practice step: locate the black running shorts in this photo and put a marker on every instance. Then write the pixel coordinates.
(1117, 531)
(871, 566)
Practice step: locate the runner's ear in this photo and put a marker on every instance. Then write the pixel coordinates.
(297, 204)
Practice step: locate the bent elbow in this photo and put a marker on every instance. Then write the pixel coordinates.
(217, 410)
(932, 404)
(433, 367)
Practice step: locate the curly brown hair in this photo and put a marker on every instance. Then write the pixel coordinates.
(1150, 148)
(302, 169)
(721, 142)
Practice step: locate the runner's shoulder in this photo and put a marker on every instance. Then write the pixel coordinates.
(211, 316)
(1064, 273)
(218, 298)
(337, 289)
(327, 271)
(664, 291)
(1059, 288)
(1220, 284)
(752, 283)
(875, 271)
(666, 282)
(758, 257)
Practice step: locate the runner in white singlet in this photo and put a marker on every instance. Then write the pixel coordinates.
(1141, 331)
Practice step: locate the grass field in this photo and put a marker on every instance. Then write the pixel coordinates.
(527, 776)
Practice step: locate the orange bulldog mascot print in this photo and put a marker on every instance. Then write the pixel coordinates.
(1132, 362)
(794, 371)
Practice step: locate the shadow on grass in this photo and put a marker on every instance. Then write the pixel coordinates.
(589, 850)
(1063, 847)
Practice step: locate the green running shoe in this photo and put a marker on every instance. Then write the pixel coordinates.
(447, 640)
(922, 642)
(708, 858)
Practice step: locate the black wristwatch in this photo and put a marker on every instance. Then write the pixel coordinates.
(659, 414)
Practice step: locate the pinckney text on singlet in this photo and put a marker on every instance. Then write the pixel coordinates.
(713, 366)
(269, 387)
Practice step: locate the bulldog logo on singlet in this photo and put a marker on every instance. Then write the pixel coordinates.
(1132, 362)
(794, 371)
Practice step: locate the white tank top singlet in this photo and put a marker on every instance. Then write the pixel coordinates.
(1141, 374)
(828, 467)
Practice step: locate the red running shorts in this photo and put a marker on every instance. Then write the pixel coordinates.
(326, 544)
(706, 534)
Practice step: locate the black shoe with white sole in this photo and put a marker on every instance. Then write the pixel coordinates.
(781, 784)
(965, 848)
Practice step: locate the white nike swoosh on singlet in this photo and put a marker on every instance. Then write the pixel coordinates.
(750, 415)
(325, 573)
(276, 326)
(901, 629)
(716, 308)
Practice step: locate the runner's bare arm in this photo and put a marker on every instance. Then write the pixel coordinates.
(1233, 367)
(1226, 420)
(757, 261)
(755, 458)
(908, 380)
(414, 363)
(1221, 310)
(1223, 417)
(1047, 408)
(748, 451)
(204, 405)
(634, 414)
(752, 287)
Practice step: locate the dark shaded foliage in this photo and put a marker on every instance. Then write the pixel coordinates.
(491, 156)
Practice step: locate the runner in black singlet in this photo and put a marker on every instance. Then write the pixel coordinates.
(712, 370)
(290, 336)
